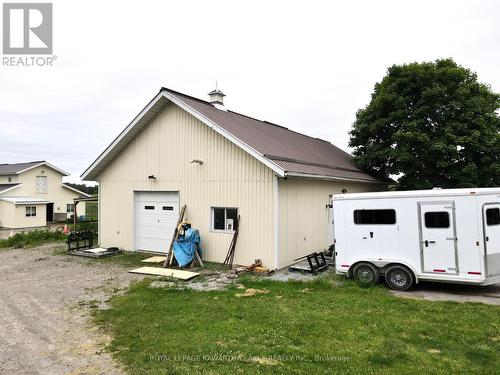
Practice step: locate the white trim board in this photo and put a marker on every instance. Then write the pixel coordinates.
(77, 191)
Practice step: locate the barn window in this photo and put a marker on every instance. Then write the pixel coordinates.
(375, 217)
(437, 219)
(30, 211)
(493, 216)
(41, 184)
(224, 219)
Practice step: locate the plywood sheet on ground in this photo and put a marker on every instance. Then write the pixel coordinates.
(97, 250)
(166, 272)
(155, 259)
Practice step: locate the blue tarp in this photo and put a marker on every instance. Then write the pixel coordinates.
(184, 248)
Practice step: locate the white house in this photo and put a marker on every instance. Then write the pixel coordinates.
(221, 164)
(33, 194)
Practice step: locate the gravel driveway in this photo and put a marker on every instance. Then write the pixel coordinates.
(45, 308)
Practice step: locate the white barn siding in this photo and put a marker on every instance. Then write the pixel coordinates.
(229, 177)
(303, 215)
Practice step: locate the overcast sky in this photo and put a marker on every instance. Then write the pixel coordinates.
(307, 65)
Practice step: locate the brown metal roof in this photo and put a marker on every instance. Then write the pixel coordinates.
(294, 152)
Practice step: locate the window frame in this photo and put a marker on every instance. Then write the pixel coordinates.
(37, 184)
(374, 209)
(68, 205)
(437, 212)
(30, 211)
(212, 219)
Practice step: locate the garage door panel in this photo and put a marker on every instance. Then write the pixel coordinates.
(152, 244)
(156, 215)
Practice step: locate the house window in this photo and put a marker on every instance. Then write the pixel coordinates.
(30, 211)
(41, 184)
(375, 217)
(493, 216)
(224, 219)
(70, 208)
(10, 179)
(437, 219)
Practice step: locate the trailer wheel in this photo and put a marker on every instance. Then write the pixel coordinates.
(399, 278)
(365, 274)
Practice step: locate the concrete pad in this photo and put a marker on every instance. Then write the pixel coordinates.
(453, 292)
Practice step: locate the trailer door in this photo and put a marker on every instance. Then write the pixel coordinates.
(491, 216)
(438, 237)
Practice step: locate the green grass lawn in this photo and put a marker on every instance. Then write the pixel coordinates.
(324, 326)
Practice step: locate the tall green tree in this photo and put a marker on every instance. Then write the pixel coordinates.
(433, 124)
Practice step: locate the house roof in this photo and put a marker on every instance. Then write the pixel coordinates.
(17, 168)
(7, 187)
(286, 152)
(77, 191)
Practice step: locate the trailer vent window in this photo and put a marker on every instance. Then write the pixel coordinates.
(149, 207)
(493, 216)
(375, 217)
(437, 219)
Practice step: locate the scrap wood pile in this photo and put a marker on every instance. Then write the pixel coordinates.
(232, 246)
(255, 267)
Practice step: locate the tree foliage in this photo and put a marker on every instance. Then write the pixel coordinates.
(433, 124)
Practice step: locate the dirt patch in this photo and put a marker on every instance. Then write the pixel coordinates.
(250, 292)
(46, 302)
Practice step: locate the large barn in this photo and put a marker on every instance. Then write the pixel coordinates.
(181, 150)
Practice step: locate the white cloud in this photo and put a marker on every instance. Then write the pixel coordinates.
(306, 65)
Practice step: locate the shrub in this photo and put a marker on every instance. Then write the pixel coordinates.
(32, 238)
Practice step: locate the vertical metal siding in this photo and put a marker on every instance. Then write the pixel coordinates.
(303, 215)
(229, 177)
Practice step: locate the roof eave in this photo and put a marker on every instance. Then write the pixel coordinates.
(48, 165)
(91, 173)
(77, 191)
(331, 178)
(11, 188)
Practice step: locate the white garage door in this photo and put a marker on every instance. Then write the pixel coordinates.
(156, 215)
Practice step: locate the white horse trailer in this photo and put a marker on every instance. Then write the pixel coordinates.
(434, 235)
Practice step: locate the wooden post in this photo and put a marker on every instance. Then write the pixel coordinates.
(170, 256)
